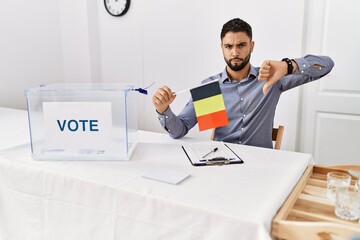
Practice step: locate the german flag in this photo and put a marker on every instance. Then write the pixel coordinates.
(209, 106)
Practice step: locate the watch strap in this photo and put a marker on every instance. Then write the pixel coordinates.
(289, 64)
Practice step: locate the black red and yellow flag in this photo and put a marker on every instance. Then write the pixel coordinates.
(209, 106)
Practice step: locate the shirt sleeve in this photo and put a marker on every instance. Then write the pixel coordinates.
(310, 68)
(178, 126)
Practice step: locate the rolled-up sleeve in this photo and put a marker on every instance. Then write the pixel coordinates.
(310, 68)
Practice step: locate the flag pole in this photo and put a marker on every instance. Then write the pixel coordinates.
(188, 89)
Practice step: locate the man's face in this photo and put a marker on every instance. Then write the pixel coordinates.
(237, 49)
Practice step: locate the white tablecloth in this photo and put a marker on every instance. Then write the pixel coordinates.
(48, 200)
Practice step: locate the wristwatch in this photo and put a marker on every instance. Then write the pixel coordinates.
(289, 64)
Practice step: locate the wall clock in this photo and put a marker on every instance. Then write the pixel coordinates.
(117, 8)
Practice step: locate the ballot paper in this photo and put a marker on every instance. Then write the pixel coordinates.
(166, 175)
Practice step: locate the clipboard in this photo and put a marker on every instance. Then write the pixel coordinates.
(211, 155)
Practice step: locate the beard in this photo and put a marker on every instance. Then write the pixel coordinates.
(238, 67)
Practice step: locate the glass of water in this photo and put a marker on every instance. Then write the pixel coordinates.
(337, 181)
(347, 205)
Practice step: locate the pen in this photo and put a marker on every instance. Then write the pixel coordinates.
(212, 151)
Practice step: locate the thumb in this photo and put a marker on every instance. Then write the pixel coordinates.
(266, 87)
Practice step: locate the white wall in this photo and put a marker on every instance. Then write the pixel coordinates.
(175, 43)
(30, 48)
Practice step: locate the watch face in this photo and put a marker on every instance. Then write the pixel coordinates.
(117, 8)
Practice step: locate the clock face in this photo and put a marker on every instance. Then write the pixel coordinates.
(117, 8)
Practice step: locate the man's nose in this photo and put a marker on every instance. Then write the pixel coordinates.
(235, 52)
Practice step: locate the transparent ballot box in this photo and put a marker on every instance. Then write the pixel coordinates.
(82, 121)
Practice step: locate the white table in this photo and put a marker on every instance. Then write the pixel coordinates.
(48, 200)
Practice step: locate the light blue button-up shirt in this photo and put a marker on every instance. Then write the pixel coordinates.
(250, 112)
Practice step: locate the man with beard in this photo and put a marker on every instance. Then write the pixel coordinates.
(250, 103)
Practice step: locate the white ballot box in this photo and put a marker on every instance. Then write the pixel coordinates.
(82, 121)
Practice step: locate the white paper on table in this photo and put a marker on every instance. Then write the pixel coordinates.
(166, 175)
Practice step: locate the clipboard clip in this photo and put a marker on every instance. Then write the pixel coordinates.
(217, 161)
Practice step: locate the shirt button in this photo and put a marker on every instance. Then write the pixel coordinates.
(244, 115)
(166, 116)
(241, 99)
(302, 71)
(304, 65)
(319, 68)
(242, 128)
(240, 142)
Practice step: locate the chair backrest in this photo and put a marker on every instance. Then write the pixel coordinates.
(277, 134)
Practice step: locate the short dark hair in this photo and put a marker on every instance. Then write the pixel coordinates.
(236, 25)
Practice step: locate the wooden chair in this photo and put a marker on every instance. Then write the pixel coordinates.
(277, 134)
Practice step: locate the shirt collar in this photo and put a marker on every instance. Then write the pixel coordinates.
(252, 75)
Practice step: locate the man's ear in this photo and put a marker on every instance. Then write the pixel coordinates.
(252, 44)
